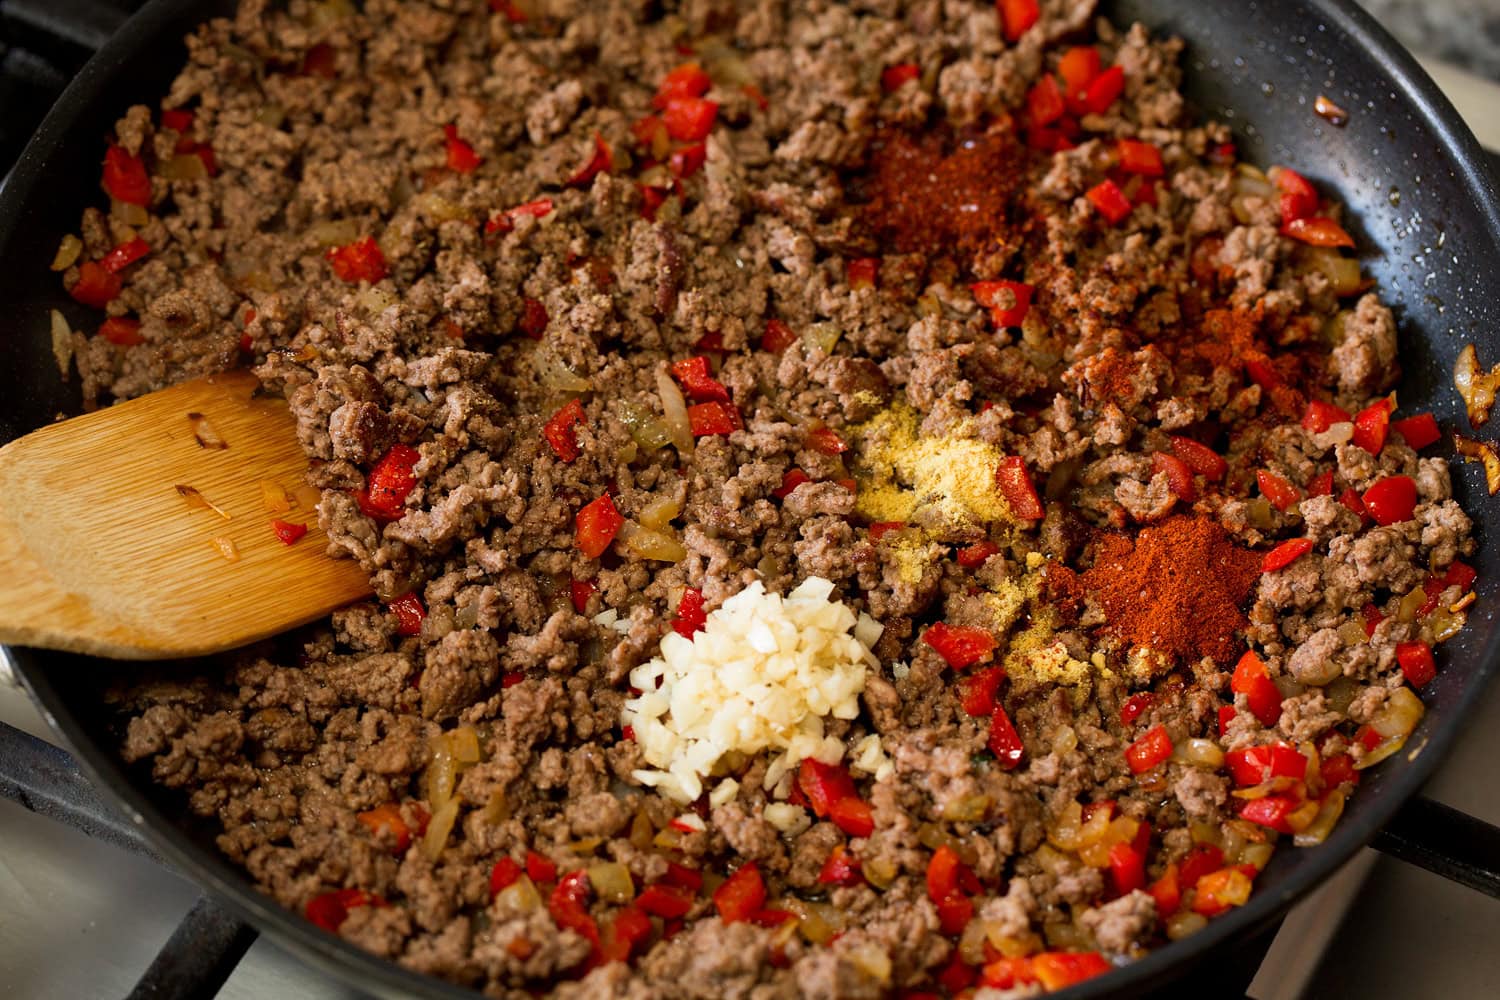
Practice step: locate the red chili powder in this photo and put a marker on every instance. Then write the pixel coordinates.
(1178, 587)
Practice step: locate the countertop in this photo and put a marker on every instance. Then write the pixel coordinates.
(1465, 33)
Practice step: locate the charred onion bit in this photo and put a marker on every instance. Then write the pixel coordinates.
(409, 613)
(559, 430)
(331, 909)
(1475, 386)
(1253, 681)
(125, 178)
(1017, 489)
(690, 618)
(596, 526)
(358, 261)
(960, 645)
(390, 481)
(742, 895)
(1480, 451)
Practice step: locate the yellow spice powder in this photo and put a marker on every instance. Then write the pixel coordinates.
(903, 474)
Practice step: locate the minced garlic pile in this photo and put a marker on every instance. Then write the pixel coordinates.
(762, 674)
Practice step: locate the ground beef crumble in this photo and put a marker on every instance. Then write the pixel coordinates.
(573, 254)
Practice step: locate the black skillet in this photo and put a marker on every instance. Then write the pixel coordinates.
(1421, 203)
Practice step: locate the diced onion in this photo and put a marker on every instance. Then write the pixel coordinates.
(441, 775)
(817, 922)
(659, 512)
(821, 336)
(1400, 714)
(333, 232)
(437, 207)
(611, 880)
(438, 828)
(128, 212)
(1181, 925)
(463, 744)
(1476, 387)
(873, 959)
(1446, 623)
(966, 809)
(556, 375)
(1483, 452)
(519, 897)
(1410, 605)
(274, 498)
(497, 809)
(184, 167)
(1387, 749)
(1342, 272)
(68, 250)
(674, 409)
(1199, 753)
(1064, 740)
(226, 548)
(880, 872)
(1322, 824)
(62, 342)
(1258, 855)
(646, 431)
(650, 544)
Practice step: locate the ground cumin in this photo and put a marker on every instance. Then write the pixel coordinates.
(1177, 588)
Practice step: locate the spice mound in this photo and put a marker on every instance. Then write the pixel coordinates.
(763, 673)
(1177, 588)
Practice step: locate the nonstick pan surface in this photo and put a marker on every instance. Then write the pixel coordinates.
(1419, 200)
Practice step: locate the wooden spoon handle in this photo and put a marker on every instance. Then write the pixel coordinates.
(106, 549)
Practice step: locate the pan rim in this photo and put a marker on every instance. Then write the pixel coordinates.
(1456, 148)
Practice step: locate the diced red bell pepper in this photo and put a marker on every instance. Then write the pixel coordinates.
(708, 419)
(1299, 199)
(122, 330)
(1416, 662)
(841, 868)
(125, 178)
(1254, 765)
(1318, 232)
(1016, 488)
(1217, 890)
(1260, 371)
(389, 484)
(625, 934)
(569, 906)
(287, 531)
(690, 618)
(460, 155)
(880, 529)
(778, 337)
(688, 160)
(511, 678)
(1104, 90)
(358, 261)
(1136, 706)
(1418, 431)
(1351, 499)
(1285, 554)
(504, 222)
(409, 613)
(596, 525)
(1270, 812)
(665, 901)
(540, 868)
(505, 873)
(1200, 458)
(789, 482)
(826, 442)
(534, 318)
(559, 430)
(1372, 617)
(96, 286)
(824, 785)
(1460, 575)
(1017, 17)
(580, 591)
(954, 914)
(976, 555)
(1391, 500)
(1319, 416)
(600, 162)
(687, 80)
(1179, 475)
(1044, 103)
(1226, 716)
(991, 295)
(1167, 892)
(976, 691)
(1198, 862)
(1058, 969)
(955, 977)
(960, 645)
(1127, 869)
(385, 819)
(690, 119)
(862, 272)
(1371, 426)
(1282, 494)
(893, 78)
(1004, 742)
(1079, 67)
(697, 379)
(1140, 158)
(742, 895)
(124, 255)
(179, 120)
(1321, 485)
(331, 909)
(652, 198)
(1109, 201)
(1151, 749)
(1006, 973)
(320, 61)
(683, 877)
(943, 874)
(1338, 770)
(854, 816)
(1251, 679)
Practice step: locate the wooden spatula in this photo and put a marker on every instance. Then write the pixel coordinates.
(144, 530)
